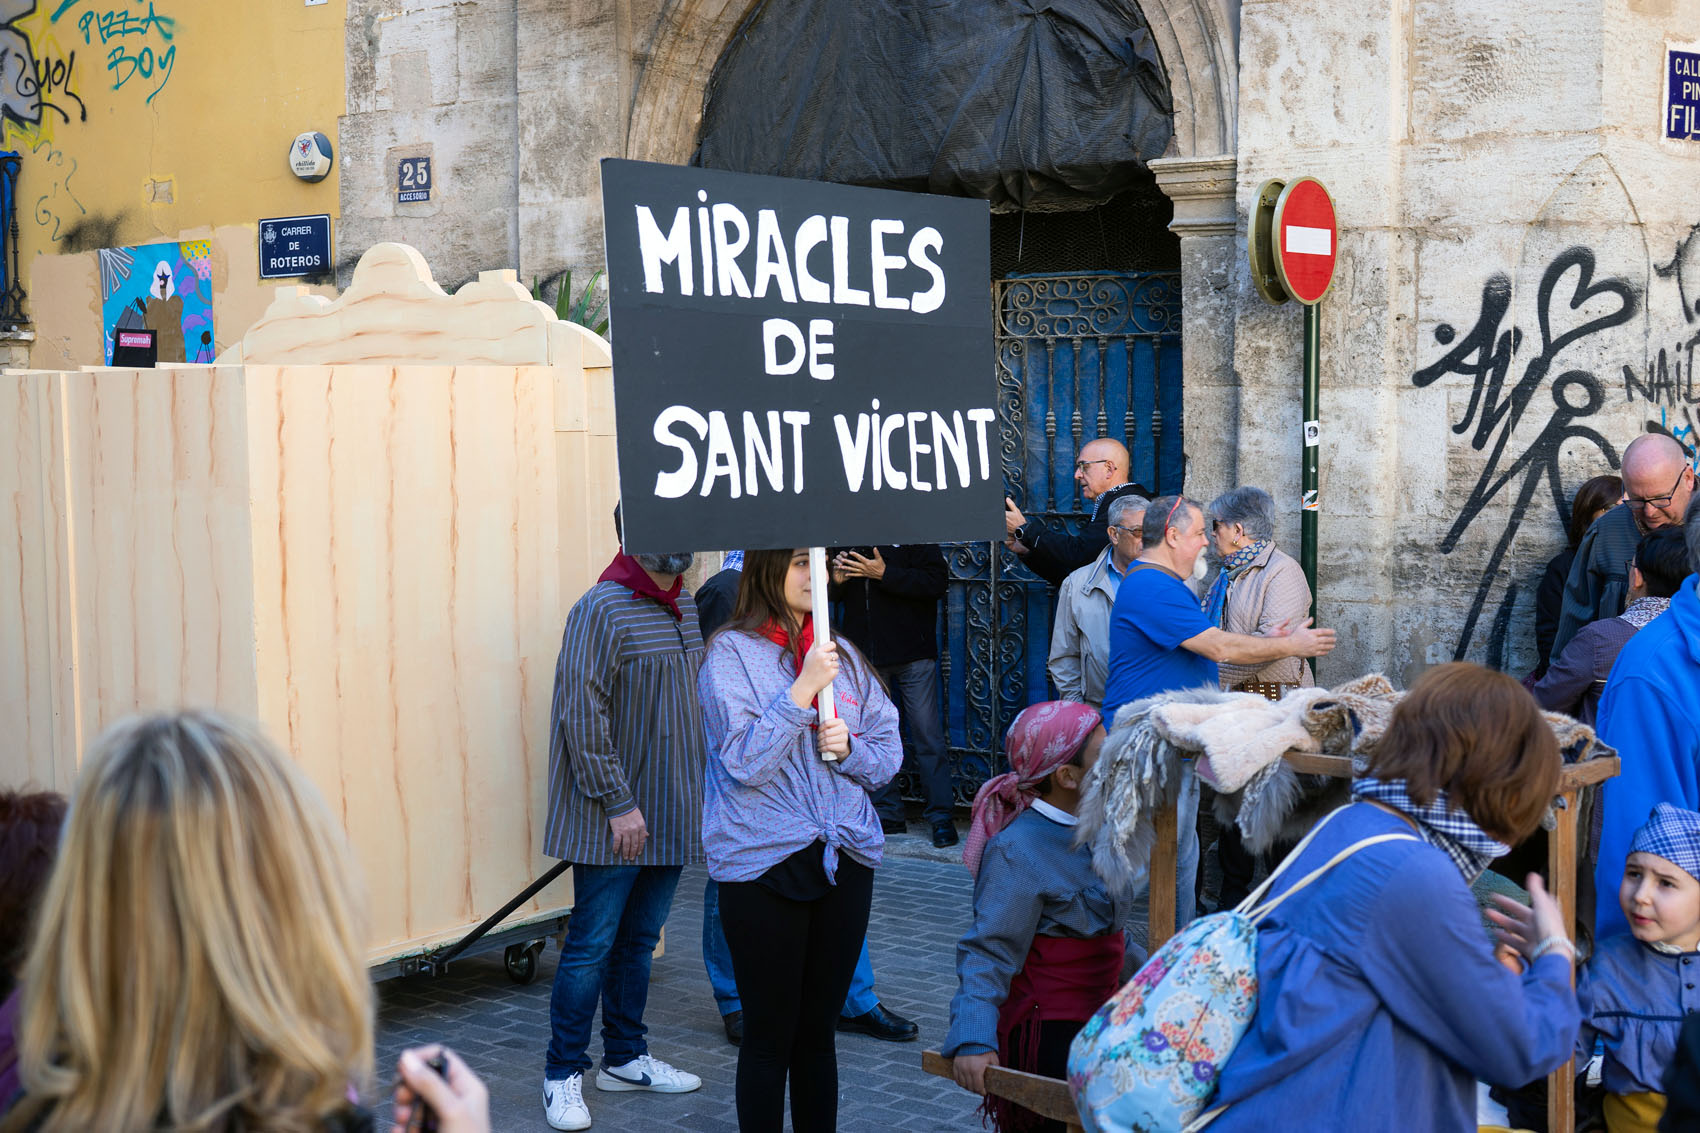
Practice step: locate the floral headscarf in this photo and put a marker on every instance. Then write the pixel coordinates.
(1042, 739)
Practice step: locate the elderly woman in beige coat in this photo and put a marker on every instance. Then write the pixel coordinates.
(1257, 590)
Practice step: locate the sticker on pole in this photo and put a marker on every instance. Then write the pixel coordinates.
(798, 364)
(1306, 240)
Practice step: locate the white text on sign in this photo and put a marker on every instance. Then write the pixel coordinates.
(913, 452)
(783, 263)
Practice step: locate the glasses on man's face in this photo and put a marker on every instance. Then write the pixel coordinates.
(1083, 466)
(1656, 501)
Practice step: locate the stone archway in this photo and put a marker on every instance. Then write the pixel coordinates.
(667, 110)
(1199, 44)
(1197, 39)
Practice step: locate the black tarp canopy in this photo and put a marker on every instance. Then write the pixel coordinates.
(1025, 102)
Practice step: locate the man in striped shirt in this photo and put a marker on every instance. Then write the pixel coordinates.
(626, 753)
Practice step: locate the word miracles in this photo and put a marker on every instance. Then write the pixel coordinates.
(877, 451)
(783, 264)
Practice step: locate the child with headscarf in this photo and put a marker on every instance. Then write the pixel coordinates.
(1045, 949)
(1636, 990)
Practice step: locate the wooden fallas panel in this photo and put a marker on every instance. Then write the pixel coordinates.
(363, 526)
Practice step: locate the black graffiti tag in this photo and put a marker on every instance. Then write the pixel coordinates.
(1486, 355)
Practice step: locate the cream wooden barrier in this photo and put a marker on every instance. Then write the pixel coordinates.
(364, 527)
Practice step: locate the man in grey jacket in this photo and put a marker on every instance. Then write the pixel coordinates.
(1080, 633)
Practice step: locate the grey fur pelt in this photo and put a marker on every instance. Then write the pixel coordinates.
(1137, 771)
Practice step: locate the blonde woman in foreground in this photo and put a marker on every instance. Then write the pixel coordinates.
(198, 956)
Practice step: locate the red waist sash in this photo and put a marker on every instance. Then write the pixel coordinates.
(1063, 978)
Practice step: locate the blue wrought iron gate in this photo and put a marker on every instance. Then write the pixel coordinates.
(1078, 356)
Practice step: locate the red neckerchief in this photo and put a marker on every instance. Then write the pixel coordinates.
(628, 572)
(805, 640)
(776, 633)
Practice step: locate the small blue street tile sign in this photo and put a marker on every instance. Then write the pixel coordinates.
(413, 180)
(1682, 95)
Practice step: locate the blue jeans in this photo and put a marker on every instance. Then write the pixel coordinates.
(618, 911)
(915, 688)
(1186, 855)
(717, 959)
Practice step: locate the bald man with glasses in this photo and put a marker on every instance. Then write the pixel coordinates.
(1658, 483)
(1051, 552)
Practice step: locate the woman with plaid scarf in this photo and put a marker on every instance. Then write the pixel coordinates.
(1380, 1000)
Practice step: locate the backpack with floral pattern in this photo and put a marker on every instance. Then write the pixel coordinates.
(1147, 1061)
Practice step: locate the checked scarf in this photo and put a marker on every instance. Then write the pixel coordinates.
(1216, 602)
(1442, 826)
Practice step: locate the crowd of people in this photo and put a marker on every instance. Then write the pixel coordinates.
(148, 981)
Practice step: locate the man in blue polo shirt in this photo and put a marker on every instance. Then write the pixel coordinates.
(1161, 641)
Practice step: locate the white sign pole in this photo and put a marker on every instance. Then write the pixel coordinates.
(823, 631)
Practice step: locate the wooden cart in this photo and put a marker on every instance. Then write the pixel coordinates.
(1050, 1097)
(363, 527)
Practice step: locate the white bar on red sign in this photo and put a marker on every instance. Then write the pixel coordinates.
(1309, 241)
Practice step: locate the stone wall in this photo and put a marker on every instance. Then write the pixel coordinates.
(516, 101)
(1509, 225)
(433, 78)
(1510, 222)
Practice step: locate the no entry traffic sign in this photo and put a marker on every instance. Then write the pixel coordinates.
(1306, 241)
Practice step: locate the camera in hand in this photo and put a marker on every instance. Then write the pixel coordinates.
(439, 1065)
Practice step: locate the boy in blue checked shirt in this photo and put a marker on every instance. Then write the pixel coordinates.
(1636, 989)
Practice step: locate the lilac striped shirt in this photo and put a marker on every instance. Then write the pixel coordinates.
(768, 793)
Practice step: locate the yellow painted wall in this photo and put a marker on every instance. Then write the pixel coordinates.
(143, 121)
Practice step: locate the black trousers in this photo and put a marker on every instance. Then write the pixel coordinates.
(793, 961)
(1055, 1036)
(1239, 866)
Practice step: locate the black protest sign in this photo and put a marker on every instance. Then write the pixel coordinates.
(798, 364)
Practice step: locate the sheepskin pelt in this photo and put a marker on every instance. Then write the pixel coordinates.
(1238, 738)
(1235, 742)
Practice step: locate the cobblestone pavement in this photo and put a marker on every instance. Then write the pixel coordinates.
(921, 906)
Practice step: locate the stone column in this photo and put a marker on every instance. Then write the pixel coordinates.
(1202, 190)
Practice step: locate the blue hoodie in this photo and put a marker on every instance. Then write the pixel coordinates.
(1651, 714)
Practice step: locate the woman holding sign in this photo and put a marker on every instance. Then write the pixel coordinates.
(790, 833)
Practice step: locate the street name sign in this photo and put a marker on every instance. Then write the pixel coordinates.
(1682, 94)
(295, 245)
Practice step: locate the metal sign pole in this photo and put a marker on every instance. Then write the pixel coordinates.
(1294, 244)
(1312, 434)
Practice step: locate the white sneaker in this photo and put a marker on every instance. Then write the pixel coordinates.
(646, 1073)
(563, 1102)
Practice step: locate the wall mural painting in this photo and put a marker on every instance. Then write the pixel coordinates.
(166, 288)
(1525, 404)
